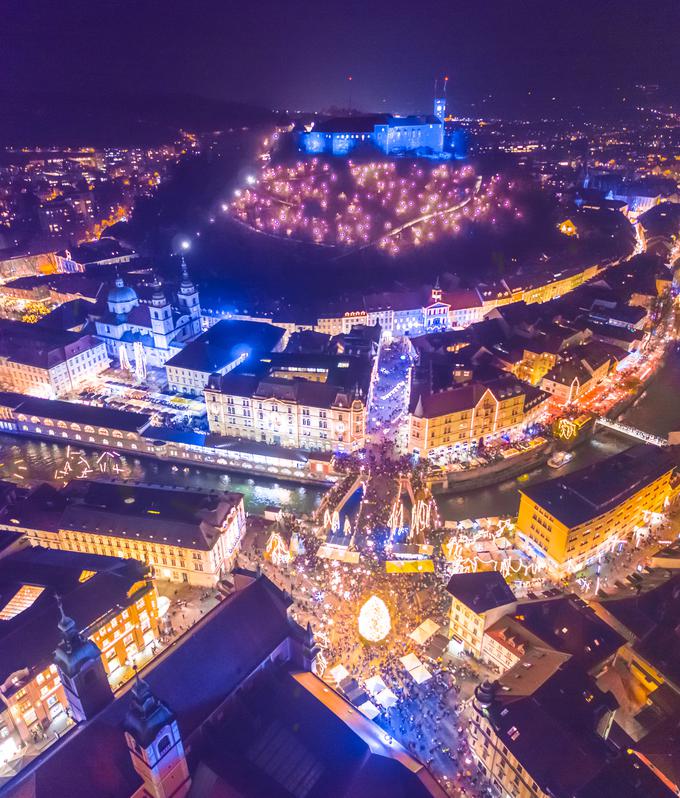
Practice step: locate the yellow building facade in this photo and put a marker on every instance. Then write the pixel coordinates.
(571, 520)
(464, 415)
(194, 551)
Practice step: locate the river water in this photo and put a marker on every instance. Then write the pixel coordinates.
(26, 460)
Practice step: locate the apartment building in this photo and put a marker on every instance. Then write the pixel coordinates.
(301, 401)
(113, 602)
(541, 729)
(453, 419)
(46, 362)
(478, 600)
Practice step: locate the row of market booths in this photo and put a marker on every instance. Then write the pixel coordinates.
(401, 557)
(374, 695)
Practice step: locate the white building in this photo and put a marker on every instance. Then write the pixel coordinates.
(315, 402)
(220, 349)
(41, 361)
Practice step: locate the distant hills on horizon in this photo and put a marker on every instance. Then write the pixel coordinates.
(114, 119)
(41, 118)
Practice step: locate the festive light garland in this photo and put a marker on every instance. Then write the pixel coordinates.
(276, 550)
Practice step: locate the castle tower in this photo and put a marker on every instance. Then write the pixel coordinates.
(161, 315)
(440, 99)
(187, 298)
(155, 745)
(80, 667)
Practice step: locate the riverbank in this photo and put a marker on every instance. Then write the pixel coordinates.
(454, 482)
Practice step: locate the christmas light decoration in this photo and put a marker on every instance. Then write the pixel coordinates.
(276, 550)
(140, 361)
(392, 205)
(124, 359)
(374, 620)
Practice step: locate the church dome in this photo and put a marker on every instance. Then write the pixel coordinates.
(122, 293)
(122, 298)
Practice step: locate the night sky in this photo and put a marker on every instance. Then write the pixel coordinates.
(500, 55)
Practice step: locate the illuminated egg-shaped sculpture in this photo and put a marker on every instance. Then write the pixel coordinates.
(374, 620)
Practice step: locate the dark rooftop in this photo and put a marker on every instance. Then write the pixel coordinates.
(40, 346)
(343, 378)
(169, 516)
(28, 639)
(481, 591)
(653, 618)
(73, 412)
(69, 315)
(553, 734)
(569, 625)
(225, 342)
(456, 398)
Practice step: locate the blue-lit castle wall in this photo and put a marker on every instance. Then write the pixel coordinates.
(389, 136)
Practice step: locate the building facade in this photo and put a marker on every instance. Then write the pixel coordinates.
(384, 133)
(453, 420)
(187, 537)
(305, 402)
(478, 600)
(115, 606)
(38, 361)
(570, 520)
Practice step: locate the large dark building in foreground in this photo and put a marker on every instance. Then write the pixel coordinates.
(231, 709)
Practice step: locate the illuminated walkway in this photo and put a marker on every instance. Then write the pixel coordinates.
(626, 429)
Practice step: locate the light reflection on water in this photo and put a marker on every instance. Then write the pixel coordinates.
(23, 460)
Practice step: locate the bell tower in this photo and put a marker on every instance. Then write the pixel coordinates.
(81, 670)
(187, 299)
(437, 291)
(161, 315)
(155, 745)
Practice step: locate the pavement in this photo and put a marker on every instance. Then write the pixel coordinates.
(390, 398)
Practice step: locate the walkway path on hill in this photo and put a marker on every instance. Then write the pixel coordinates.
(425, 217)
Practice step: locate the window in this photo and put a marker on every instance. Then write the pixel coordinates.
(164, 744)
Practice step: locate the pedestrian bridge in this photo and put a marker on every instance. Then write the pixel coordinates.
(633, 432)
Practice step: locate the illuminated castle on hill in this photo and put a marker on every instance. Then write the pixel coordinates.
(387, 133)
